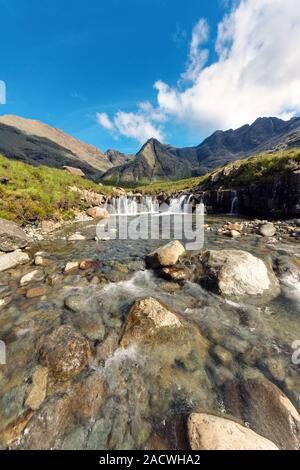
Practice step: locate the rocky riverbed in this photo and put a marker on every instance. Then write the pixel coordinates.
(113, 345)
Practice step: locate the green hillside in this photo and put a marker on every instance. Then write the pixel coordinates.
(30, 194)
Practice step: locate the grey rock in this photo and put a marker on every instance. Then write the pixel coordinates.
(13, 259)
(267, 230)
(12, 237)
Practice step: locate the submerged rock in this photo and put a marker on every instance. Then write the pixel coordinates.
(237, 273)
(36, 292)
(12, 237)
(166, 255)
(65, 352)
(87, 396)
(76, 237)
(209, 432)
(47, 428)
(13, 431)
(269, 411)
(33, 276)
(145, 317)
(38, 390)
(84, 317)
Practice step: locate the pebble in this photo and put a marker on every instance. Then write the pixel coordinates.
(71, 266)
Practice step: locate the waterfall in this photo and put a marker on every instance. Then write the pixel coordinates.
(177, 204)
(131, 206)
(234, 203)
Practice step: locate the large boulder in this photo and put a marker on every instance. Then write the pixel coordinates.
(65, 352)
(265, 406)
(12, 237)
(11, 260)
(209, 432)
(166, 255)
(145, 318)
(237, 273)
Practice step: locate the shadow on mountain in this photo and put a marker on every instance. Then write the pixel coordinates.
(37, 151)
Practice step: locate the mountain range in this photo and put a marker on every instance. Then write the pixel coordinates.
(157, 161)
(37, 143)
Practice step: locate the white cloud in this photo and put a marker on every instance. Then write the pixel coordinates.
(256, 73)
(136, 126)
(197, 56)
(104, 121)
(141, 126)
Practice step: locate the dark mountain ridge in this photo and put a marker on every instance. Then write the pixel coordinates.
(157, 161)
(38, 144)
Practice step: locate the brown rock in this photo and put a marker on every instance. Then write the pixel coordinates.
(65, 352)
(145, 317)
(74, 171)
(13, 431)
(175, 273)
(39, 260)
(47, 428)
(36, 292)
(209, 432)
(49, 226)
(107, 347)
(237, 227)
(71, 266)
(89, 264)
(38, 390)
(98, 213)
(88, 396)
(53, 279)
(269, 411)
(166, 255)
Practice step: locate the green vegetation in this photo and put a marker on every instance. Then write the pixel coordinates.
(30, 194)
(169, 187)
(260, 167)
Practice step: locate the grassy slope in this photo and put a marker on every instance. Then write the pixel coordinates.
(37, 193)
(260, 167)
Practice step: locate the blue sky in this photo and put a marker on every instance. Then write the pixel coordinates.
(65, 61)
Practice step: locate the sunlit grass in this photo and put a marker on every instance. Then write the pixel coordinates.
(30, 194)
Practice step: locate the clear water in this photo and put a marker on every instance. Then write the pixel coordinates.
(150, 387)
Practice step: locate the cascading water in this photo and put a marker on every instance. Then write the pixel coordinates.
(177, 204)
(234, 203)
(124, 205)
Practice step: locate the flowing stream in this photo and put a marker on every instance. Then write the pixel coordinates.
(152, 386)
